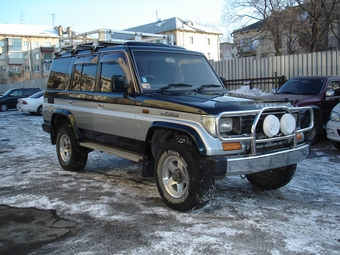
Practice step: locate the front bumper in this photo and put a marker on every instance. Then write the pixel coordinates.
(220, 167)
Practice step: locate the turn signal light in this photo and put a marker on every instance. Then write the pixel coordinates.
(298, 136)
(232, 146)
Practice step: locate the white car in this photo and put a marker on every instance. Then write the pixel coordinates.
(32, 104)
(333, 126)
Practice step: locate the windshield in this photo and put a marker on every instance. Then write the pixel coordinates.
(163, 70)
(303, 86)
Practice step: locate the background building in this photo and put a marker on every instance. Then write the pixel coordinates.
(186, 34)
(26, 51)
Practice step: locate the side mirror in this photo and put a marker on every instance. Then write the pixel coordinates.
(330, 93)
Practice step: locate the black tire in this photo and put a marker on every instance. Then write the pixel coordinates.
(3, 108)
(182, 178)
(313, 135)
(40, 110)
(71, 156)
(274, 178)
(336, 145)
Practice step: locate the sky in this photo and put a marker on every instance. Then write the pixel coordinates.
(88, 15)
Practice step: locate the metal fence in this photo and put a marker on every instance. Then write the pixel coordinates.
(36, 83)
(317, 63)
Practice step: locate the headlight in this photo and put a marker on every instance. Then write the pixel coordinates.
(209, 123)
(225, 125)
(334, 116)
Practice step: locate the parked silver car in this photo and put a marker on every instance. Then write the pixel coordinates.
(32, 104)
(333, 126)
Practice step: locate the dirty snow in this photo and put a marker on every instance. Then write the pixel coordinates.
(119, 212)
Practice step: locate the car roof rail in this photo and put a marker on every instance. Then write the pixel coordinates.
(102, 37)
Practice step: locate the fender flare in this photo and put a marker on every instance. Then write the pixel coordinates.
(182, 128)
(56, 118)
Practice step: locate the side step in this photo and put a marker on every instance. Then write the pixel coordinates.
(116, 152)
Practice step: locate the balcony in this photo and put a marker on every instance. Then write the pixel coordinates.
(47, 49)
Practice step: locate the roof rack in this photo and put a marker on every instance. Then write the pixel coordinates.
(109, 36)
(103, 37)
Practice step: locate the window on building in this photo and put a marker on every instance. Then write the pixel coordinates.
(47, 44)
(14, 44)
(208, 41)
(36, 68)
(35, 44)
(27, 68)
(15, 69)
(26, 44)
(47, 67)
(208, 55)
(25, 56)
(191, 40)
(37, 56)
(48, 57)
(2, 68)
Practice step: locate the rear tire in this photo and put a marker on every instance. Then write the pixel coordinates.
(40, 110)
(3, 108)
(274, 178)
(182, 178)
(71, 156)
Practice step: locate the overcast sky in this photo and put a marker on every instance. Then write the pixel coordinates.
(87, 15)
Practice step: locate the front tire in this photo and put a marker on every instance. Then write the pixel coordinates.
(313, 135)
(274, 178)
(71, 156)
(182, 178)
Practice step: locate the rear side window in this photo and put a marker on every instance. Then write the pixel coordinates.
(84, 73)
(60, 73)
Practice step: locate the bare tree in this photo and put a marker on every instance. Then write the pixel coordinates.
(291, 26)
(322, 18)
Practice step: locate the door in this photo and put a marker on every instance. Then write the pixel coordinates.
(114, 109)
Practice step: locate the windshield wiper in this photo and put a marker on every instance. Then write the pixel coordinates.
(174, 85)
(200, 88)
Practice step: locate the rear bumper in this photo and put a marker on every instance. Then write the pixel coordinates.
(220, 167)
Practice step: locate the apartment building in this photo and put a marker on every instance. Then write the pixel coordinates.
(26, 51)
(186, 34)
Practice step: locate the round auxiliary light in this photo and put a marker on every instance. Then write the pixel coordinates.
(287, 124)
(271, 125)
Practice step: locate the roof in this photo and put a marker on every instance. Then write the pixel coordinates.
(27, 30)
(171, 24)
(255, 26)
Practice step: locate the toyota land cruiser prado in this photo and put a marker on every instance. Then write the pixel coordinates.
(164, 106)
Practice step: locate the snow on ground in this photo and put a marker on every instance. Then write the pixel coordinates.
(119, 212)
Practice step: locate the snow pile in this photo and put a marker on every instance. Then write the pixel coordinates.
(245, 90)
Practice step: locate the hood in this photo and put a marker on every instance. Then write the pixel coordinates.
(205, 103)
(295, 99)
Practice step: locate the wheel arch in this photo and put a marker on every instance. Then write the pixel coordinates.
(59, 118)
(175, 128)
